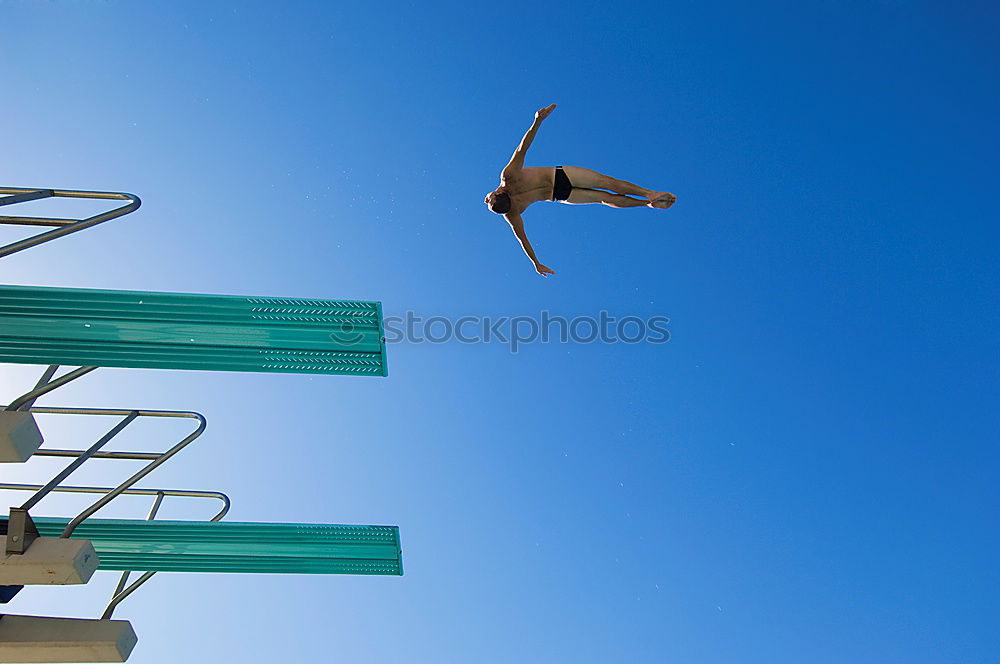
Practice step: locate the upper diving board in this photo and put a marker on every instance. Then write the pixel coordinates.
(137, 329)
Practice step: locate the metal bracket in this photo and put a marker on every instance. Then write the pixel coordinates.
(45, 385)
(21, 531)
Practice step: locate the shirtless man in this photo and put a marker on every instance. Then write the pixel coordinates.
(520, 187)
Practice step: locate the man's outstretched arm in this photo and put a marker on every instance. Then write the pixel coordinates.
(516, 162)
(517, 225)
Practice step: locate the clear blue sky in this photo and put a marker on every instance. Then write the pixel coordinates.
(806, 472)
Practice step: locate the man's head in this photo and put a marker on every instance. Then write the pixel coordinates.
(499, 201)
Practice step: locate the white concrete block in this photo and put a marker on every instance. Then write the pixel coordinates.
(49, 561)
(39, 639)
(19, 436)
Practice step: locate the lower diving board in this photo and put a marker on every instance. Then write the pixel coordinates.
(262, 548)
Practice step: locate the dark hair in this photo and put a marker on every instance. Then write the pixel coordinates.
(501, 203)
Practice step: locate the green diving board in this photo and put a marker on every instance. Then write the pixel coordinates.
(110, 328)
(260, 548)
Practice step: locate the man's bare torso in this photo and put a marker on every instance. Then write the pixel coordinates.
(528, 185)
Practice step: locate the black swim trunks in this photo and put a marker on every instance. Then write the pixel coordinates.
(561, 186)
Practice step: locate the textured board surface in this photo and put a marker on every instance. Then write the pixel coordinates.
(269, 548)
(106, 328)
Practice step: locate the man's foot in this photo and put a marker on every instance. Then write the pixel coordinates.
(662, 200)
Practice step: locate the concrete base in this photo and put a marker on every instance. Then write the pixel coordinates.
(49, 561)
(38, 639)
(19, 436)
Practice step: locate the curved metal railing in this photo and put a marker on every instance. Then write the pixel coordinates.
(121, 592)
(62, 226)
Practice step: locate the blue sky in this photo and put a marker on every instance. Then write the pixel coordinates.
(805, 472)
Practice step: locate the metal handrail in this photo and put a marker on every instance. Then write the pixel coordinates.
(120, 592)
(79, 461)
(156, 460)
(62, 226)
(183, 493)
(123, 579)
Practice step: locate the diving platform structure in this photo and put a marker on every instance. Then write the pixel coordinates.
(88, 329)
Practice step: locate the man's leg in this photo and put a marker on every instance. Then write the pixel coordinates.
(583, 196)
(588, 179)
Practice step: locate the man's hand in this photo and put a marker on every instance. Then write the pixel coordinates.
(544, 113)
(541, 269)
